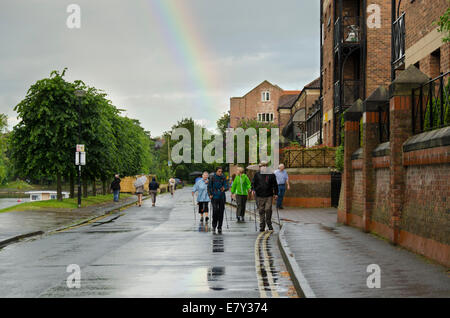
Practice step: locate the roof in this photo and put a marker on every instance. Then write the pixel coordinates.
(314, 84)
(263, 82)
(288, 100)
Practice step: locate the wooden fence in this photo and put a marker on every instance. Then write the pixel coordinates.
(309, 158)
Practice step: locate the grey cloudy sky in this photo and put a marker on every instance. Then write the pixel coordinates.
(161, 60)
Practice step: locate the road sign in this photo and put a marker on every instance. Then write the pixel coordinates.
(80, 158)
(80, 148)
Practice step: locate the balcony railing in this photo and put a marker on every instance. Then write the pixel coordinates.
(431, 105)
(347, 30)
(345, 95)
(398, 35)
(313, 121)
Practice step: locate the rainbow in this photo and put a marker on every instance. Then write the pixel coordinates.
(187, 48)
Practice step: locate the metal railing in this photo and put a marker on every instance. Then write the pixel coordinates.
(398, 35)
(345, 95)
(313, 122)
(431, 105)
(347, 30)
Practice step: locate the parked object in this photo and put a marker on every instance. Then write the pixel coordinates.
(45, 195)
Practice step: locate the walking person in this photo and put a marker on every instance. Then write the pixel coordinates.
(203, 199)
(216, 189)
(153, 189)
(265, 190)
(283, 184)
(172, 185)
(139, 185)
(115, 187)
(239, 191)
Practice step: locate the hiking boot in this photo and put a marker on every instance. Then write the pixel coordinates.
(262, 230)
(207, 219)
(270, 228)
(201, 219)
(219, 231)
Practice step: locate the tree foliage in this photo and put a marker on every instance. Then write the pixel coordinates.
(42, 144)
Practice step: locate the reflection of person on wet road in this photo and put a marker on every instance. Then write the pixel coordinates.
(265, 187)
(201, 186)
(239, 191)
(216, 189)
(153, 189)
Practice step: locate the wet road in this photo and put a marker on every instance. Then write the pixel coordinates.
(148, 252)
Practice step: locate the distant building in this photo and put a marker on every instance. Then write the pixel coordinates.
(45, 195)
(260, 104)
(294, 112)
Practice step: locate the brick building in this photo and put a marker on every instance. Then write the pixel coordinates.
(397, 164)
(416, 38)
(261, 104)
(353, 56)
(294, 112)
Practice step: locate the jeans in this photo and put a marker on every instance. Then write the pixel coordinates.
(218, 208)
(153, 193)
(281, 192)
(265, 212)
(116, 195)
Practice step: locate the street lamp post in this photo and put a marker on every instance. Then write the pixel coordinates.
(80, 94)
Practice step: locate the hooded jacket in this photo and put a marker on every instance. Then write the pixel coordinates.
(216, 183)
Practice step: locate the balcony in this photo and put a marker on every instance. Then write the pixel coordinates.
(347, 31)
(346, 94)
(398, 35)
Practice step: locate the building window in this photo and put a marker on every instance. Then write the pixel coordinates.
(266, 96)
(266, 117)
(34, 197)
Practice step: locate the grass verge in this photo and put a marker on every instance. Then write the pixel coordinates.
(66, 204)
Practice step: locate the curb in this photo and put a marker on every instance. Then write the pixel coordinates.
(301, 284)
(17, 238)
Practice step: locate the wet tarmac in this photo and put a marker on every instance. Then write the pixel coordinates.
(149, 252)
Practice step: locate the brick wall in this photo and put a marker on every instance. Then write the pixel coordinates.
(420, 15)
(380, 211)
(426, 209)
(357, 200)
(378, 69)
(310, 188)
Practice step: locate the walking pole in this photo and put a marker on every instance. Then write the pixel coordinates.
(193, 204)
(254, 212)
(226, 217)
(279, 222)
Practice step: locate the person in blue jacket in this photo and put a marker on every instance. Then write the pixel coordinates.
(217, 187)
(201, 186)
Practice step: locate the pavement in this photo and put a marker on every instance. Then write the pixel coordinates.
(333, 259)
(147, 251)
(19, 224)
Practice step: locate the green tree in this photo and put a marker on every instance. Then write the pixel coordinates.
(444, 25)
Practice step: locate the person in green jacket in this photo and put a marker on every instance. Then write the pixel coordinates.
(239, 191)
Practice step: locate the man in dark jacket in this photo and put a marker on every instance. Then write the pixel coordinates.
(115, 187)
(216, 190)
(265, 186)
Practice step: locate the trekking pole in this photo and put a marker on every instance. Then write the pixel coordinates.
(193, 204)
(226, 217)
(254, 212)
(279, 222)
